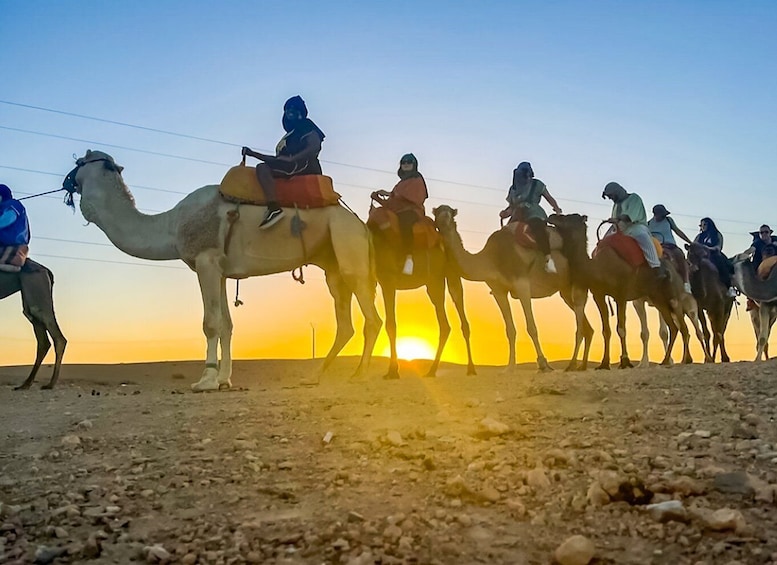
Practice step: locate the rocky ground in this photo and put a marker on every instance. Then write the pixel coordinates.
(122, 463)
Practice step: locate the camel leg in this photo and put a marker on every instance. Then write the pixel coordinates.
(356, 264)
(679, 314)
(60, 342)
(210, 279)
(724, 324)
(341, 295)
(523, 292)
(763, 330)
(225, 340)
(601, 304)
(390, 301)
(457, 294)
(583, 330)
(644, 333)
(504, 307)
(693, 315)
(620, 308)
(670, 319)
(713, 349)
(42, 339)
(436, 292)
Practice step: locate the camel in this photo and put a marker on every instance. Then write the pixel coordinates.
(36, 283)
(509, 269)
(220, 240)
(607, 274)
(712, 297)
(764, 293)
(432, 270)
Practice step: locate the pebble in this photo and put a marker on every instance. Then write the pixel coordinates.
(577, 550)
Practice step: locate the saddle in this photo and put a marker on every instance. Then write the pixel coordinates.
(13, 258)
(425, 234)
(626, 248)
(303, 191)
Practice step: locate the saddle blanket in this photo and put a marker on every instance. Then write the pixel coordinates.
(627, 248)
(425, 234)
(303, 191)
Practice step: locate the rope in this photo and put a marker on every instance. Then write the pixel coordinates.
(41, 194)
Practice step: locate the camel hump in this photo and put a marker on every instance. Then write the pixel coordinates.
(303, 191)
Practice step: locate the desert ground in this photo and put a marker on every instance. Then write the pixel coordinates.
(122, 463)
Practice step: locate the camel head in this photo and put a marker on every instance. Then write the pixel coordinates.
(697, 253)
(572, 225)
(94, 168)
(444, 217)
(74, 179)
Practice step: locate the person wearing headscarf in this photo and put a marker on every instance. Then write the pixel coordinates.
(710, 237)
(628, 212)
(523, 199)
(296, 154)
(14, 229)
(406, 200)
(662, 227)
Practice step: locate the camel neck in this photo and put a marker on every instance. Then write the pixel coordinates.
(137, 234)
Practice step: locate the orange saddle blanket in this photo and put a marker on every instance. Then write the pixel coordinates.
(304, 191)
(425, 234)
(626, 247)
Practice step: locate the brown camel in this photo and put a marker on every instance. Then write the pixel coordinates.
(220, 240)
(432, 270)
(36, 283)
(764, 293)
(510, 269)
(607, 274)
(712, 297)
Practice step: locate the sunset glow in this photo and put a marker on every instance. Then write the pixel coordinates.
(409, 348)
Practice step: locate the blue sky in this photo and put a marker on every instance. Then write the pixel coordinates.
(674, 100)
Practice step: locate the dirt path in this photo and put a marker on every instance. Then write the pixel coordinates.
(122, 463)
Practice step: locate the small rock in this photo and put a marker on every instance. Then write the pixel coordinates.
(596, 495)
(537, 479)
(395, 438)
(84, 425)
(488, 427)
(392, 532)
(671, 510)
(726, 519)
(327, 439)
(156, 554)
(577, 550)
(702, 434)
(44, 554)
(71, 441)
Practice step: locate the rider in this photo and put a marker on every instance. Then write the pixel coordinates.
(761, 239)
(296, 154)
(710, 237)
(768, 261)
(406, 200)
(628, 212)
(523, 199)
(662, 226)
(14, 229)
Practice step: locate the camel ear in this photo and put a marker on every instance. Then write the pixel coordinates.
(455, 211)
(434, 211)
(585, 218)
(119, 168)
(88, 152)
(687, 246)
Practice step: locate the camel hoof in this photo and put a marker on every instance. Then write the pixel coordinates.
(545, 369)
(603, 367)
(47, 387)
(626, 364)
(430, 375)
(310, 381)
(225, 385)
(572, 367)
(391, 376)
(688, 360)
(471, 371)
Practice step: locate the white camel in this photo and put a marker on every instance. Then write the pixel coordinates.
(220, 240)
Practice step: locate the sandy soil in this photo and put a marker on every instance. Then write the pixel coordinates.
(122, 463)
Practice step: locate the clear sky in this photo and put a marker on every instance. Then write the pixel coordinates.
(674, 100)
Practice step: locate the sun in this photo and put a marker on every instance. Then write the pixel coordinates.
(409, 348)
